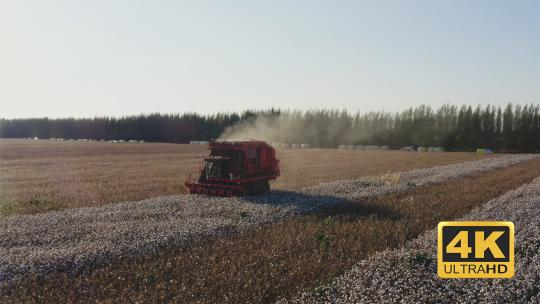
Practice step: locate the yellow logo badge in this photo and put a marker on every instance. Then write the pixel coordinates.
(475, 250)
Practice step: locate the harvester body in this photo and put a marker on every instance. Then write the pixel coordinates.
(236, 168)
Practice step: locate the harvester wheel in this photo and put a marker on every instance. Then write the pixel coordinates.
(248, 188)
(265, 186)
(257, 188)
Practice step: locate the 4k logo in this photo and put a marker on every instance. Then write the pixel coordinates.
(475, 250)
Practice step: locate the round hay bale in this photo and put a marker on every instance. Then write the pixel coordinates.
(484, 151)
(408, 148)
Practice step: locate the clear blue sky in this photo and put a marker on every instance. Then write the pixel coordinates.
(86, 58)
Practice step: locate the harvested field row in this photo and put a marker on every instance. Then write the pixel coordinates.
(277, 260)
(39, 176)
(409, 275)
(64, 240)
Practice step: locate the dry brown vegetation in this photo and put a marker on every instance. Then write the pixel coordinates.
(274, 261)
(42, 175)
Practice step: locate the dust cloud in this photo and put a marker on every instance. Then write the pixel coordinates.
(296, 128)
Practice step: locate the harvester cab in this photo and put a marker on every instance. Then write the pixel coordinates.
(236, 168)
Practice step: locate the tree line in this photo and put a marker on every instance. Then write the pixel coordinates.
(512, 128)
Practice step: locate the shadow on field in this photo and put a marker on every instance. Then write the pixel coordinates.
(324, 205)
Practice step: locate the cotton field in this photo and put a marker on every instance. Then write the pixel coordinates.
(138, 228)
(408, 275)
(333, 211)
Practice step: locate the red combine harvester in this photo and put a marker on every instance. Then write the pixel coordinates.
(236, 168)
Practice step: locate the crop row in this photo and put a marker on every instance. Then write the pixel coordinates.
(87, 237)
(409, 275)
